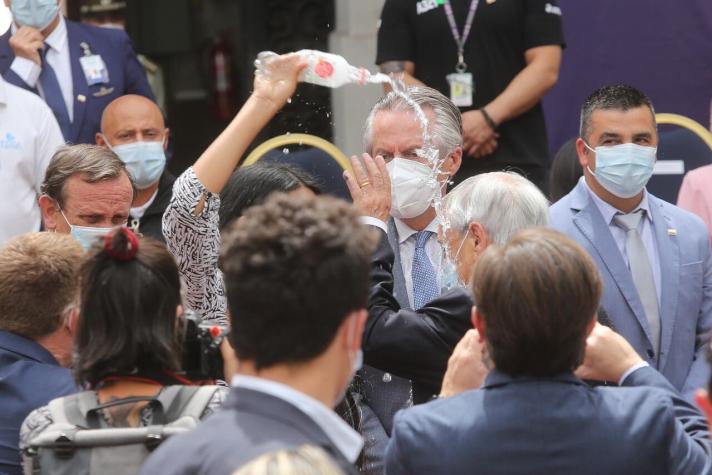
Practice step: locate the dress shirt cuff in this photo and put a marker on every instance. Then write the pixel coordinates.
(370, 220)
(27, 70)
(630, 371)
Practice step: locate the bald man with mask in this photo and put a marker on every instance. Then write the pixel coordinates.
(133, 127)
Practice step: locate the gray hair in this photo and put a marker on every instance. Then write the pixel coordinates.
(503, 202)
(445, 129)
(93, 162)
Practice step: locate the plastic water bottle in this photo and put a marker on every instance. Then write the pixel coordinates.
(330, 70)
(326, 69)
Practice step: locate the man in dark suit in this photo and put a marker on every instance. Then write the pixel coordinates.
(483, 210)
(76, 68)
(296, 277)
(537, 298)
(38, 285)
(394, 132)
(133, 128)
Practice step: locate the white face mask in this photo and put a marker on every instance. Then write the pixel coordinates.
(623, 169)
(413, 187)
(450, 276)
(356, 362)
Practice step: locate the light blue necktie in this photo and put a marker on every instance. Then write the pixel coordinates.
(53, 95)
(425, 282)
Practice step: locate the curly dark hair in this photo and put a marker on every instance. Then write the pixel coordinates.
(294, 267)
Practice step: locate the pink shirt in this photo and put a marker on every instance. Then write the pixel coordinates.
(696, 194)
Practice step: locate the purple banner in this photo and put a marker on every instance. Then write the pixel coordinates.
(663, 47)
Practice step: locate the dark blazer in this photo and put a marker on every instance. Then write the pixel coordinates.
(30, 377)
(248, 425)
(412, 344)
(686, 283)
(553, 426)
(126, 75)
(150, 224)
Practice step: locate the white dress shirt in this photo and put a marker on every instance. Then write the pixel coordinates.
(433, 249)
(29, 136)
(58, 57)
(645, 229)
(347, 440)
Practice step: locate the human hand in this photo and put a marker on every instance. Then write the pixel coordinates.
(370, 187)
(277, 76)
(27, 43)
(465, 368)
(608, 356)
(476, 132)
(487, 148)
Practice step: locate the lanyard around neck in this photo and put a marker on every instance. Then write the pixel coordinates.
(460, 40)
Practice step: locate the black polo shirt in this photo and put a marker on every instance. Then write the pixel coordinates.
(418, 31)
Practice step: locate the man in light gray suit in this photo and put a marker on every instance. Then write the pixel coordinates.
(654, 257)
(297, 278)
(535, 323)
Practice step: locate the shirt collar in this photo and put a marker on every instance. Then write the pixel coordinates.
(57, 39)
(347, 440)
(405, 231)
(609, 212)
(3, 91)
(141, 210)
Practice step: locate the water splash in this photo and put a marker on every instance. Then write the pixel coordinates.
(430, 152)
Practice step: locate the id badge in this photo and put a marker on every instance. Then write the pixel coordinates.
(94, 69)
(461, 88)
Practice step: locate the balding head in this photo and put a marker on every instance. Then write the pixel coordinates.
(131, 118)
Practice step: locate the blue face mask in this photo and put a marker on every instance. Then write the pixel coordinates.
(35, 13)
(85, 235)
(624, 169)
(145, 161)
(450, 278)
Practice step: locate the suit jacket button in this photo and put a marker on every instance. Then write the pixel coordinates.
(651, 353)
(387, 377)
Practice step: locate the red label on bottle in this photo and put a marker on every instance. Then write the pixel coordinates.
(324, 69)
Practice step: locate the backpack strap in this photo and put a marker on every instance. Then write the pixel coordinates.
(73, 409)
(181, 401)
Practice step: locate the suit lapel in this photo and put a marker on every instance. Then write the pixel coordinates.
(79, 82)
(399, 287)
(590, 223)
(669, 257)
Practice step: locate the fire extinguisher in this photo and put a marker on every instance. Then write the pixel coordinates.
(221, 58)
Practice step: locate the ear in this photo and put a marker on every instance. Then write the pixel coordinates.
(584, 155)
(453, 162)
(702, 398)
(479, 234)
(73, 320)
(352, 329)
(179, 310)
(166, 138)
(49, 210)
(478, 322)
(99, 139)
(592, 325)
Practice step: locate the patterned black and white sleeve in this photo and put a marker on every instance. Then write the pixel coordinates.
(194, 241)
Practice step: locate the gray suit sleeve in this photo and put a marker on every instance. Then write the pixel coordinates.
(690, 450)
(700, 370)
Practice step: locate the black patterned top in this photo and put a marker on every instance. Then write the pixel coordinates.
(194, 241)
